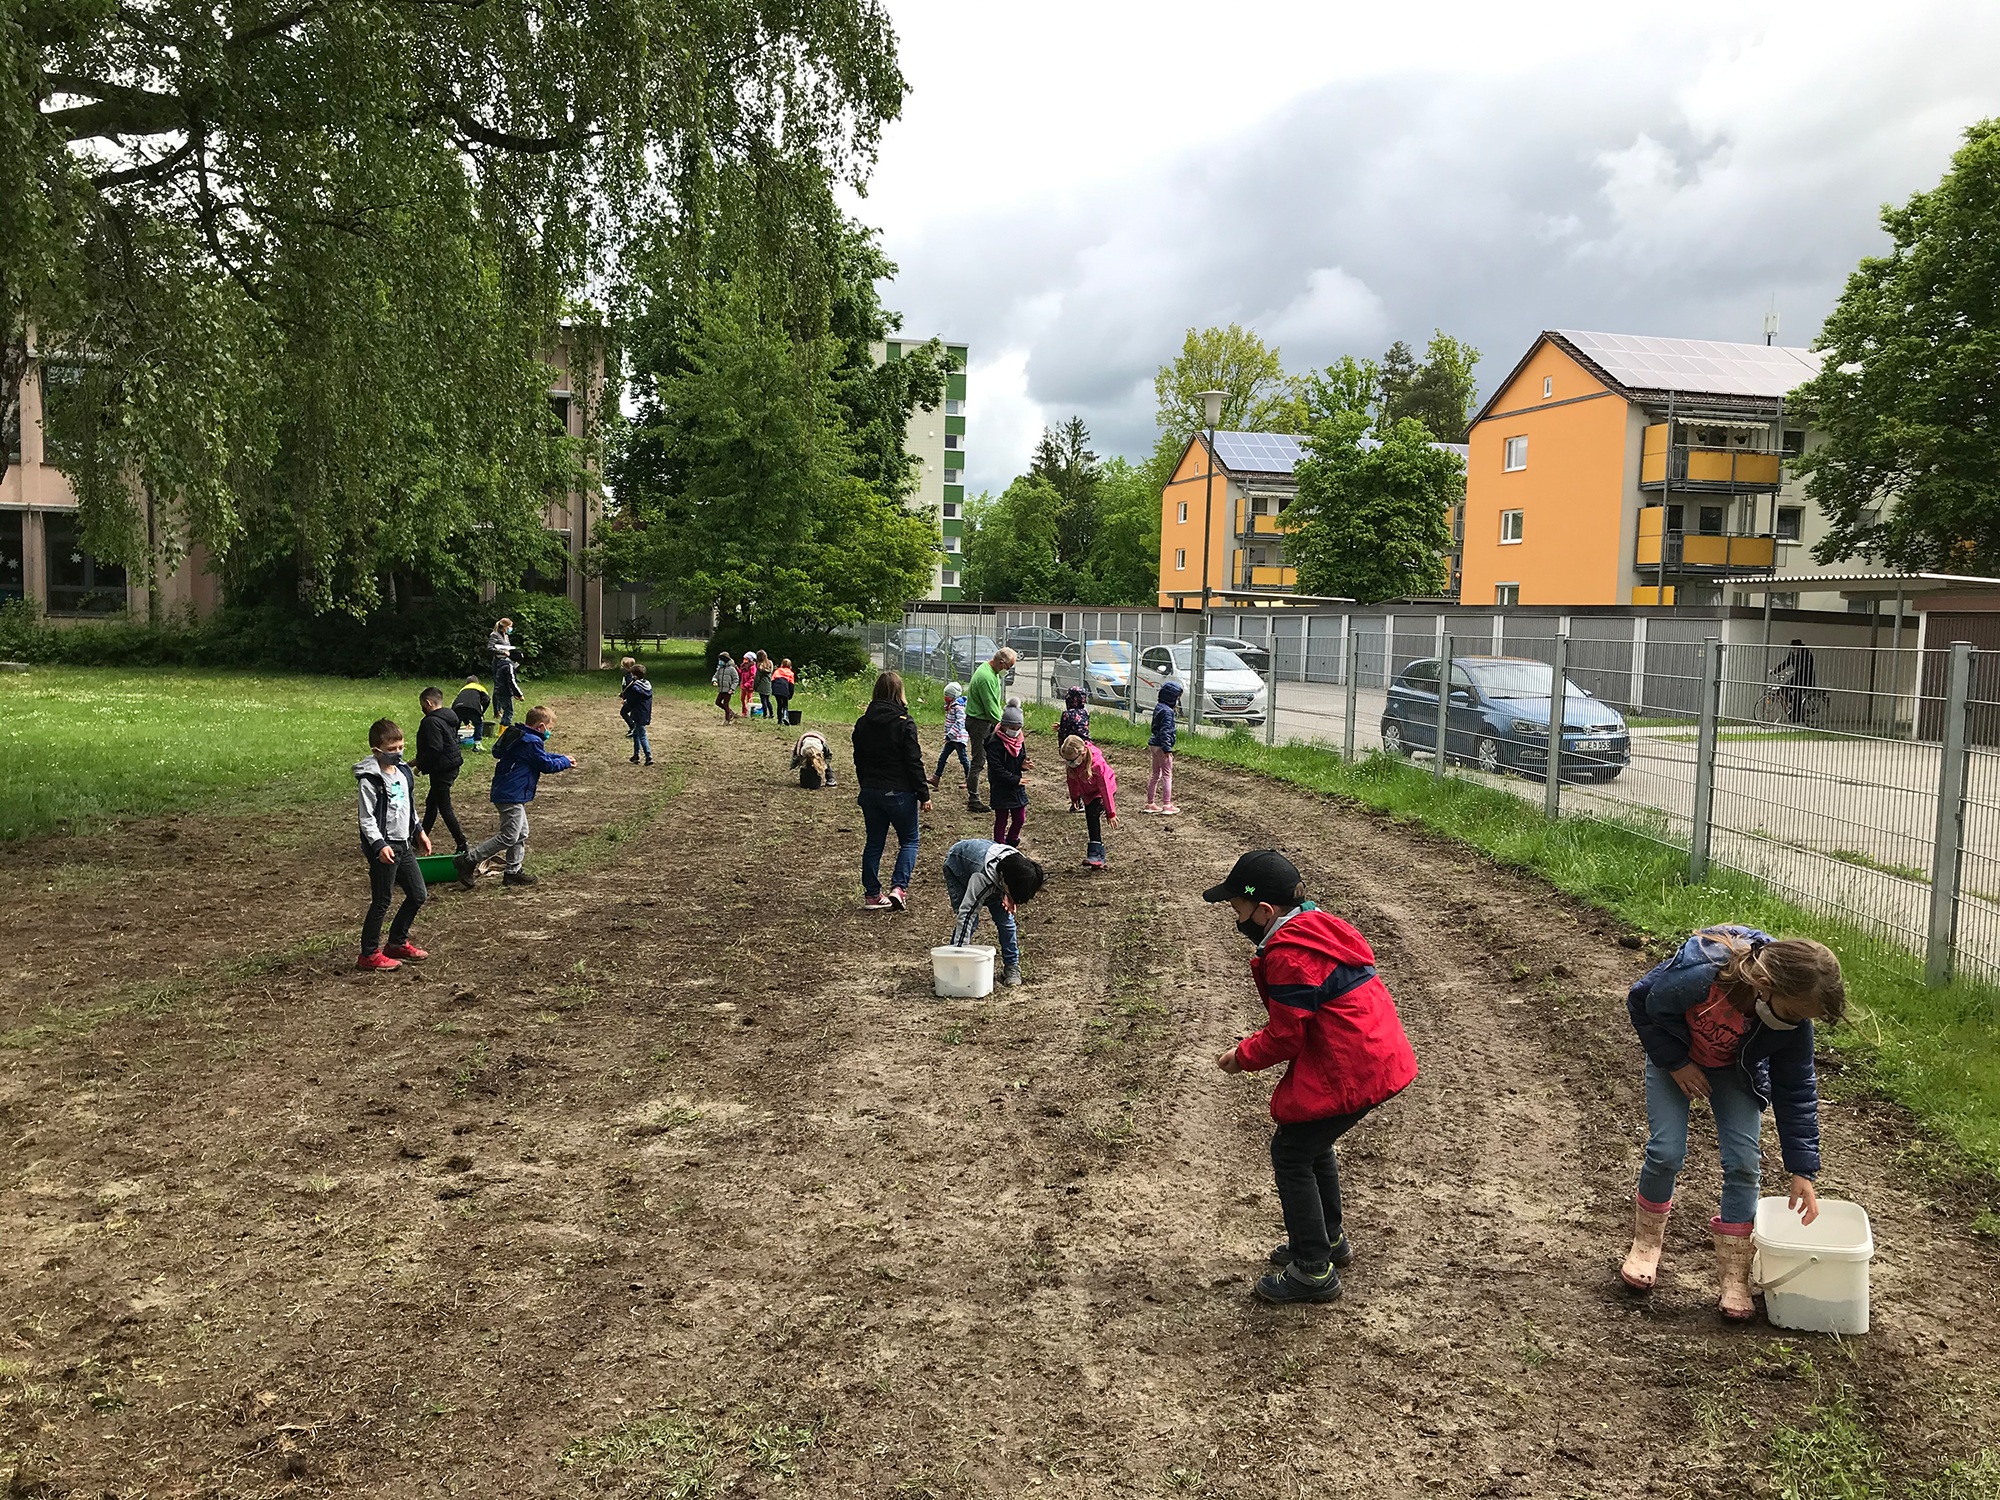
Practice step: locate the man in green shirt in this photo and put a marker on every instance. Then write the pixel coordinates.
(985, 701)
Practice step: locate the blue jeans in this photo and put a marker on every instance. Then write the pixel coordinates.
(953, 747)
(879, 812)
(960, 865)
(641, 745)
(1738, 1120)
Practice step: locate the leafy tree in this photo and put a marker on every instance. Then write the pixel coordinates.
(1064, 459)
(1347, 385)
(1011, 541)
(1233, 360)
(1909, 392)
(307, 254)
(1441, 392)
(1396, 373)
(1124, 563)
(878, 398)
(1373, 522)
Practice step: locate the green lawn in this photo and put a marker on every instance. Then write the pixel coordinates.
(85, 746)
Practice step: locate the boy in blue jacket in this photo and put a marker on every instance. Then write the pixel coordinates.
(520, 760)
(1729, 1018)
(638, 710)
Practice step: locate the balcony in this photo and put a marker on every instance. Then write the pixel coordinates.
(1698, 554)
(1701, 467)
(1261, 576)
(1269, 527)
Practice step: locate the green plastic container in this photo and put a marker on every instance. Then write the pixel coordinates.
(437, 867)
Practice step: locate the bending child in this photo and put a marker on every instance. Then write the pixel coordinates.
(813, 760)
(1093, 786)
(999, 877)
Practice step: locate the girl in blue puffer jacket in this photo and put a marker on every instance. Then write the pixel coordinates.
(1729, 1018)
(1160, 789)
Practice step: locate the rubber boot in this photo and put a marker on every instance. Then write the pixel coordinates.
(1649, 1237)
(1093, 858)
(1733, 1252)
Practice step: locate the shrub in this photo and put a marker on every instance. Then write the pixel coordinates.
(547, 627)
(817, 651)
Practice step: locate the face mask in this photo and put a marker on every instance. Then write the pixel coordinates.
(1252, 931)
(1771, 1018)
(389, 757)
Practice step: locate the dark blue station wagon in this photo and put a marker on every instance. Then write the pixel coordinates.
(1498, 719)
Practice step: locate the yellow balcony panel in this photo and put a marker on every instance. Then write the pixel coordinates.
(1648, 594)
(1731, 466)
(1647, 553)
(1274, 578)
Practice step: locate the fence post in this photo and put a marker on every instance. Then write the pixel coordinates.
(1350, 661)
(1558, 703)
(1305, 646)
(1444, 704)
(1198, 671)
(1271, 701)
(1704, 758)
(1941, 933)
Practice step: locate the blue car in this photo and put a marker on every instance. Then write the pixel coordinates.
(1498, 719)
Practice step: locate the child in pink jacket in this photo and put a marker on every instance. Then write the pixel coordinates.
(1094, 784)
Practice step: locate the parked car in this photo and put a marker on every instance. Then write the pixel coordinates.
(915, 648)
(1103, 669)
(964, 653)
(1498, 719)
(1257, 658)
(1032, 642)
(1234, 692)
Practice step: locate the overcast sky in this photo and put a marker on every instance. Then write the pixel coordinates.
(1073, 185)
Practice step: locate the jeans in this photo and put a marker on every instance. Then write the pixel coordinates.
(979, 729)
(951, 748)
(1008, 823)
(1308, 1178)
(382, 881)
(438, 805)
(513, 837)
(1738, 1120)
(1160, 789)
(764, 699)
(959, 868)
(879, 811)
(641, 743)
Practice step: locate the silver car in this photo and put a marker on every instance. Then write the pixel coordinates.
(1103, 669)
(1234, 692)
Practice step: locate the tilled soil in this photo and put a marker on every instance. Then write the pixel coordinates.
(670, 1177)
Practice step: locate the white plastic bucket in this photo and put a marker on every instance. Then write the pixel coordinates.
(962, 973)
(1814, 1276)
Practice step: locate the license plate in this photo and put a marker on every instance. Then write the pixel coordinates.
(1593, 744)
(1231, 700)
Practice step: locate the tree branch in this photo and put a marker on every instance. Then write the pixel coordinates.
(148, 172)
(276, 26)
(116, 110)
(503, 140)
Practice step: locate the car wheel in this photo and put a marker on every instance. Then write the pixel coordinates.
(1609, 773)
(1392, 738)
(1488, 752)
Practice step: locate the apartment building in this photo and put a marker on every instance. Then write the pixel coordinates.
(1236, 516)
(936, 439)
(1618, 469)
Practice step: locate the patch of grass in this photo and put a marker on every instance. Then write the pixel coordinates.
(1870, 862)
(679, 1456)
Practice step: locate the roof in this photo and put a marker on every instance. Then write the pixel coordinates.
(1908, 583)
(1278, 453)
(1640, 367)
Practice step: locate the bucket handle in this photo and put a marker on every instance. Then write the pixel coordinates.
(1798, 1270)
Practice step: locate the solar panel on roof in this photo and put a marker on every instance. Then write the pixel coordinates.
(1698, 365)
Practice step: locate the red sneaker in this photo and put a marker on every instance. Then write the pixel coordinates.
(898, 897)
(878, 902)
(377, 961)
(405, 949)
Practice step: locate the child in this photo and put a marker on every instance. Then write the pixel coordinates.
(439, 758)
(784, 682)
(520, 760)
(956, 740)
(1093, 786)
(998, 877)
(726, 680)
(1007, 769)
(1160, 789)
(1729, 1018)
(470, 706)
(388, 799)
(763, 682)
(813, 761)
(746, 676)
(1332, 1019)
(1074, 724)
(637, 711)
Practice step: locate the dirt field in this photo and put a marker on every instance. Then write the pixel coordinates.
(670, 1178)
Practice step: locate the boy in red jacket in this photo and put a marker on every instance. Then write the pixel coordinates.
(1332, 1019)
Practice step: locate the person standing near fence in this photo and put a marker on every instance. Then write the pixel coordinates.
(985, 701)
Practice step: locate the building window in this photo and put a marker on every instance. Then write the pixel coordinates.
(13, 581)
(949, 578)
(1711, 520)
(78, 583)
(954, 476)
(1180, 559)
(1791, 523)
(951, 510)
(951, 544)
(1795, 442)
(559, 405)
(954, 407)
(1548, 386)
(1458, 525)
(1517, 454)
(1506, 593)
(1784, 601)
(1183, 515)
(1510, 526)
(951, 440)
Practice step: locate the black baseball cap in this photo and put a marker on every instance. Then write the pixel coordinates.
(1260, 875)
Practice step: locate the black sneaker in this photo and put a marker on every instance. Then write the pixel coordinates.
(974, 805)
(635, 760)
(1343, 1253)
(517, 877)
(468, 872)
(1297, 1283)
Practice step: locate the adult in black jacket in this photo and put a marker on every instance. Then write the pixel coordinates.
(889, 770)
(439, 758)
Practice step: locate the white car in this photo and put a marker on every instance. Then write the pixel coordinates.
(1234, 692)
(1103, 669)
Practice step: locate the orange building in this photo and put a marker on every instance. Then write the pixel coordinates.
(1614, 469)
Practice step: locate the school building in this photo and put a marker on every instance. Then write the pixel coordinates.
(936, 439)
(1615, 469)
(1236, 516)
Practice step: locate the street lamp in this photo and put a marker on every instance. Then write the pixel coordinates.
(1211, 407)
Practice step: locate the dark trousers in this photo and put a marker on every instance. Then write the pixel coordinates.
(764, 699)
(1008, 823)
(1308, 1177)
(1093, 814)
(979, 729)
(383, 880)
(438, 805)
(784, 708)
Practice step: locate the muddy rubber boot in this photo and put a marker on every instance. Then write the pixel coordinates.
(1649, 1237)
(1343, 1253)
(1297, 1283)
(1733, 1252)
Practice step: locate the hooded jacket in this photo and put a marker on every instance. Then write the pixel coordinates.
(1075, 720)
(387, 804)
(726, 677)
(1165, 717)
(637, 701)
(437, 742)
(987, 884)
(1776, 1062)
(1331, 1018)
(1006, 773)
(520, 760)
(887, 754)
(1094, 781)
